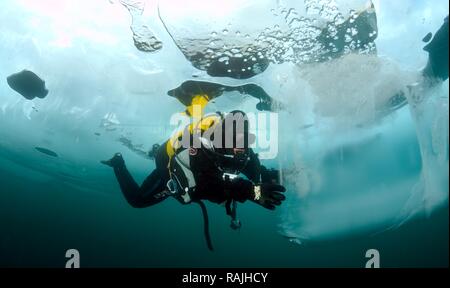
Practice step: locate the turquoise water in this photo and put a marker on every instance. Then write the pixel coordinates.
(40, 224)
(360, 172)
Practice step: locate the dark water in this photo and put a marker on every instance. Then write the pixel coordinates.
(40, 221)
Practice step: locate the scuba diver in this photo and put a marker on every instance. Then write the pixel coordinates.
(210, 159)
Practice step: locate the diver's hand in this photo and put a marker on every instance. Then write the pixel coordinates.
(268, 195)
(115, 162)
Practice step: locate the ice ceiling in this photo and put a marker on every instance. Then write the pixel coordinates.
(349, 161)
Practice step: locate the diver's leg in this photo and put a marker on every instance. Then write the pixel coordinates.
(126, 182)
(149, 193)
(152, 191)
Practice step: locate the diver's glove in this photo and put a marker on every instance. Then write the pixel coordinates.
(115, 162)
(268, 195)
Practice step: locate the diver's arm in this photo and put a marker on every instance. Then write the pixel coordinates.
(210, 188)
(253, 168)
(239, 189)
(261, 188)
(217, 189)
(267, 195)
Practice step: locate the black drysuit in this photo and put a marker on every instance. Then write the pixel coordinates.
(210, 184)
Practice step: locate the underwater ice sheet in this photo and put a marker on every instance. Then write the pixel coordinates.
(292, 31)
(143, 37)
(350, 163)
